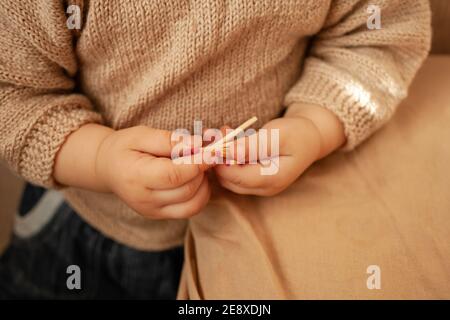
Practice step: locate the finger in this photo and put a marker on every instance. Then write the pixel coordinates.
(163, 173)
(247, 176)
(181, 194)
(202, 159)
(192, 206)
(206, 158)
(254, 146)
(242, 190)
(154, 141)
(210, 156)
(270, 174)
(242, 150)
(185, 145)
(161, 143)
(270, 141)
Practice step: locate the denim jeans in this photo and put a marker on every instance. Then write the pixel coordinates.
(38, 267)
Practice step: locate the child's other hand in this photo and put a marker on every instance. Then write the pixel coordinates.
(135, 164)
(306, 133)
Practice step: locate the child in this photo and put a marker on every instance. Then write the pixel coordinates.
(91, 110)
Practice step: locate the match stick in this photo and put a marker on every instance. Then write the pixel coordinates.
(229, 137)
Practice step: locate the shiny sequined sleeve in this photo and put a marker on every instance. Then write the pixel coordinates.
(362, 61)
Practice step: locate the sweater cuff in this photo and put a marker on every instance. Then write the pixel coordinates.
(45, 138)
(355, 105)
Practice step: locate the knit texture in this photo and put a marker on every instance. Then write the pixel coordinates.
(167, 63)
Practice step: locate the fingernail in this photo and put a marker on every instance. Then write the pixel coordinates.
(195, 150)
(185, 152)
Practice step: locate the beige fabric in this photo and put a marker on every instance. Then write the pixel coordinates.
(386, 203)
(166, 64)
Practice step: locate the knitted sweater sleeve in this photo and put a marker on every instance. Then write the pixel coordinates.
(362, 73)
(39, 107)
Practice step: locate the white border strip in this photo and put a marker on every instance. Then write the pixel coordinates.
(39, 216)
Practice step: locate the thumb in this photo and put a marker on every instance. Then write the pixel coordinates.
(164, 143)
(149, 140)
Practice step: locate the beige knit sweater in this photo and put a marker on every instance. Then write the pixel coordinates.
(167, 63)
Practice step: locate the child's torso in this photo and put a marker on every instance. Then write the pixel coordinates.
(168, 63)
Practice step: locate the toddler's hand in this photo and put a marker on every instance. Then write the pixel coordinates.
(306, 133)
(135, 164)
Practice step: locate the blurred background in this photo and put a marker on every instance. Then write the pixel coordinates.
(11, 186)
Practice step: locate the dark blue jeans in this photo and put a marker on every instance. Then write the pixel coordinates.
(36, 267)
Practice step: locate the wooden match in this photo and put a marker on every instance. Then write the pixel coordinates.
(229, 137)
